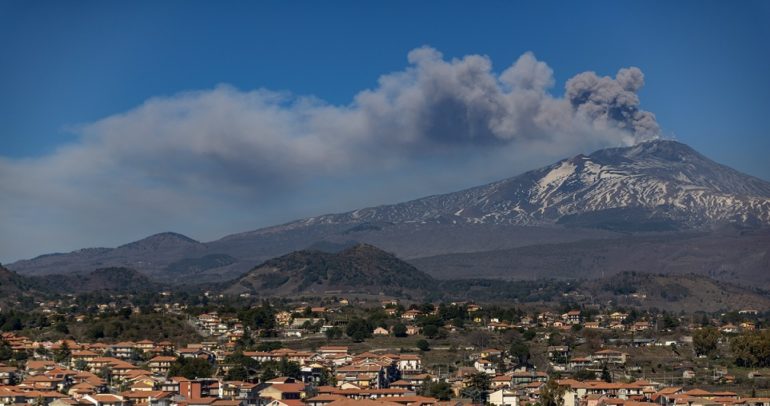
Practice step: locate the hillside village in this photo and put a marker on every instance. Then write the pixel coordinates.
(341, 351)
(401, 203)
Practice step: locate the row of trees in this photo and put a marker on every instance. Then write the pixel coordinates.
(750, 349)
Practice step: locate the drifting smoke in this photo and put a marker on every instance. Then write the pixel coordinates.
(433, 107)
(463, 101)
(206, 154)
(613, 102)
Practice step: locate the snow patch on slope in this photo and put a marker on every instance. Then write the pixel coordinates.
(557, 175)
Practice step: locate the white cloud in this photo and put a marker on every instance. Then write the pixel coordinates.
(172, 160)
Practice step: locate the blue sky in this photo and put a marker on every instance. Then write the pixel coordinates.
(76, 74)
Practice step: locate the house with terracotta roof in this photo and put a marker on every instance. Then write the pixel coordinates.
(408, 363)
(577, 363)
(161, 364)
(558, 353)
(323, 399)
(103, 399)
(490, 352)
(153, 398)
(42, 383)
(485, 366)
(81, 355)
(729, 328)
(610, 356)
(34, 367)
(411, 314)
(500, 381)
(527, 377)
(333, 350)
(571, 317)
(641, 326)
(283, 391)
(81, 389)
(618, 317)
(13, 396)
(380, 331)
(748, 326)
(124, 350)
(362, 375)
(8, 375)
(287, 402)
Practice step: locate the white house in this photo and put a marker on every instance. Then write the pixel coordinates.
(504, 397)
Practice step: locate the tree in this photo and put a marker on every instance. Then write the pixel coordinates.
(593, 340)
(260, 318)
(6, 352)
(399, 330)
(289, 368)
(63, 353)
(191, 368)
(105, 373)
(705, 341)
(479, 338)
(81, 365)
(477, 388)
(241, 366)
(125, 312)
(430, 330)
(440, 390)
(13, 323)
(751, 349)
(268, 373)
(20, 356)
(529, 335)
(333, 333)
(584, 375)
(95, 331)
(669, 322)
(42, 352)
(359, 330)
(552, 394)
(423, 345)
(268, 346)
(327, 378)
(61, 327)
(519, 350)
(606, 375)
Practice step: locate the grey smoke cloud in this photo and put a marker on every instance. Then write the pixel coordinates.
(210, 157)
(613, 102)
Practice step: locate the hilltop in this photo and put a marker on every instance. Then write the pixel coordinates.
(362, 268)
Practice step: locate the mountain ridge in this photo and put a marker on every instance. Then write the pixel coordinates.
(653, 187)
(598, 181)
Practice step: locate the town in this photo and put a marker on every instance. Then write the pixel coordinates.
(405, 203)
(214, 350)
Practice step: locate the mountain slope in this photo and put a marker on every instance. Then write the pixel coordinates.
(106, 280)
(150, 255)
(737, 256)
(658, 186)
(685, 292)
(361, 268)
(12, 285)
(663, 180)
